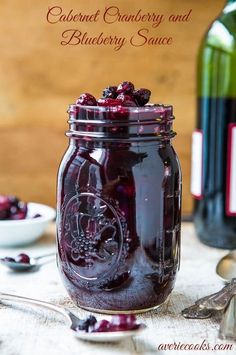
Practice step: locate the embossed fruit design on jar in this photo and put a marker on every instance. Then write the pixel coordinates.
(119, 202)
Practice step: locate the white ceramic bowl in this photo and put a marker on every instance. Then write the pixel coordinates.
(26, 231)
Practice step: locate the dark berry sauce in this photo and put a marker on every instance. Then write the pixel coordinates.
(119, 201)
(21, 258)
(119, 322)
(11, 208)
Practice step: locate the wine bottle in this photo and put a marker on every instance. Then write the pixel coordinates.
(213, 175)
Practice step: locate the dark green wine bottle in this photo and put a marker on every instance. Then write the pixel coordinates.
(213, 176)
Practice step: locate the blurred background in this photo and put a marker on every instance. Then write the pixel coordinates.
(40, 78)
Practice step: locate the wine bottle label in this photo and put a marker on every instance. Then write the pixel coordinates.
(231, 172)
(197, 164)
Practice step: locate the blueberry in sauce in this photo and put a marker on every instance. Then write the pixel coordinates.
(91, 320)
(87, 324)
(14, 201)
(142, 96)
(110, 92)
(19, 212)
(125, 88)
(37, 215)
(8, 259)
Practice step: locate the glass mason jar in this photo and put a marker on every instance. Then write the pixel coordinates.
(119, 208)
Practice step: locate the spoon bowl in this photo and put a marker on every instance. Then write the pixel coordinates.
(108, 337)
(74, 321)
(21, 267)
(226, 267)
(33, 265)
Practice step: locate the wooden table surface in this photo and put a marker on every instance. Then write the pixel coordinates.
(27, 330)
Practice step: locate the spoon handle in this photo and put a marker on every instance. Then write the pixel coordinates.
(219, 300)
(63, 311)
(45, 256)
(228, 323)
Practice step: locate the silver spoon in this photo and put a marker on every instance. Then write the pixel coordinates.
(226, 270)
(73, 321)
(196, 312)
(219, 301)
(226, 267)
(206, 306)
(33, 265)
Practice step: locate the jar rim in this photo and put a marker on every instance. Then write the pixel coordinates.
(119, 122)
(163, 110)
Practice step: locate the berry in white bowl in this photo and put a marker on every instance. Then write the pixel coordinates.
(18, 232)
